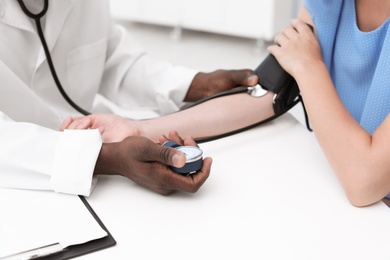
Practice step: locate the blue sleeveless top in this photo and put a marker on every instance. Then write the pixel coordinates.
(358, 62)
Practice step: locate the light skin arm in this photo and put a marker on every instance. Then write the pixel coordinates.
(360, 161)
(207, 119)
(214, 117)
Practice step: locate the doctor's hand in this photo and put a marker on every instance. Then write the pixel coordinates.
(206, 84)
(145, 163)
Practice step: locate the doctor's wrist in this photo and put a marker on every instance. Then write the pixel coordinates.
(199, 88)
(107, 160)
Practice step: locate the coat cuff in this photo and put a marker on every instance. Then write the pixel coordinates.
(75, 159)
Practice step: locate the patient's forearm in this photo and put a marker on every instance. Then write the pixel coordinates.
(214, 117)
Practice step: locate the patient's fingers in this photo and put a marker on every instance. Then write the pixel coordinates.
(80, 123)
(66, 123)
(280, 39)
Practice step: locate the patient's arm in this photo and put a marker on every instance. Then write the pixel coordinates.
(214, 117)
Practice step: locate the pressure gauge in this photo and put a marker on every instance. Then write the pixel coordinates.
(194, 159)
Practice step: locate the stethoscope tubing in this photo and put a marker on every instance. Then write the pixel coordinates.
(217, 95)
(37, 18)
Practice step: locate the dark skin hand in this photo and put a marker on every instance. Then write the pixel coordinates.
(206, 84)
(145, 163)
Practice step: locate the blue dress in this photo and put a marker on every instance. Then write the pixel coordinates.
(358, 62)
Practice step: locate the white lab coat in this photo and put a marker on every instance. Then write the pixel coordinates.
(100, 67)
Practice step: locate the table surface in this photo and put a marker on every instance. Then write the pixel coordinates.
(271, 195)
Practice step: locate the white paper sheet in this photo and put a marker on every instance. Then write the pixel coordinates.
(32, 219)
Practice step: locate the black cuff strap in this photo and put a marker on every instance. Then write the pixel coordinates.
(272, 76)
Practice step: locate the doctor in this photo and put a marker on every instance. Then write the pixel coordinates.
(102, 70)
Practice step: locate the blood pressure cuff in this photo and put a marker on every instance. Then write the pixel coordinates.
(273, 77)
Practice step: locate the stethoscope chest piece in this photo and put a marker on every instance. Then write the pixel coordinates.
(257, 91)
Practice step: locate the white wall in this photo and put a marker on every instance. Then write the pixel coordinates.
(258, 19)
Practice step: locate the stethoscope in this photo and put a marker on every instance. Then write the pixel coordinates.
(37, 18)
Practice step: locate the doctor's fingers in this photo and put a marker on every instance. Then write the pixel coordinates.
(142, 149)
(193, 182)
(243, 77)
(197, 179)
(176, 182)
(172, 136)
(175, 137)
(161, 179)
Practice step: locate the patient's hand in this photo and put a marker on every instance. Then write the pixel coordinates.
(113, 128)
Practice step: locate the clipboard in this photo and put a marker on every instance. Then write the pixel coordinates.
(69, 210)
(88, 247)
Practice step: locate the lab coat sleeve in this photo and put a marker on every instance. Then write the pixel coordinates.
(135, 81)
(34, 157)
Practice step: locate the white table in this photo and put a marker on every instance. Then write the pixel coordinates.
(271, 195)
